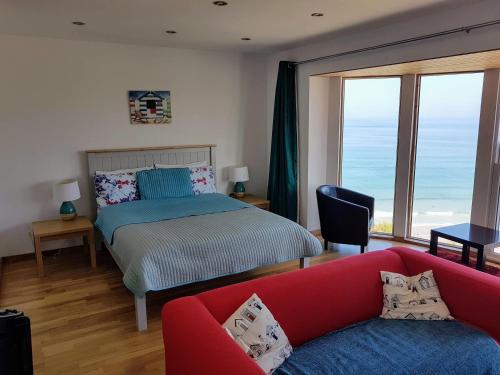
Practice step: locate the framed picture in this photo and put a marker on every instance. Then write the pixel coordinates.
(150, 107)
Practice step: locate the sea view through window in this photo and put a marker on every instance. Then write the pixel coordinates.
(446, 133)
(448, 123)
(370, 138)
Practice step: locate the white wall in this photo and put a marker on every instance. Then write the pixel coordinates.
(457, 14)
(319, 104)
(59, 98)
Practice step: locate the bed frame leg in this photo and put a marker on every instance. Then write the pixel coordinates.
(141, 316)
(304, 262)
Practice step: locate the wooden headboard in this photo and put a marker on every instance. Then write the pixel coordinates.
(113, 159)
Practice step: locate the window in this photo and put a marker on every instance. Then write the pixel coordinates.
(370, 131)
(447, 133)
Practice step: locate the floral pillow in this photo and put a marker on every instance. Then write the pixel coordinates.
(115, 188)
(203, 180)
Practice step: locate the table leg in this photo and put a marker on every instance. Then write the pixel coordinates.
(86, 245)
(39, 258)
(465, 253)
(91, 240)
(481, 258)
(434, 243)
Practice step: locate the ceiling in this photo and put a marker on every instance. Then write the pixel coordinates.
(454, 64)
(271, 24)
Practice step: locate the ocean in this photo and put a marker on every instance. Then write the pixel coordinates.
(444, 174)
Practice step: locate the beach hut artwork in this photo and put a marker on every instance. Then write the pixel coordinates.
(150, 107)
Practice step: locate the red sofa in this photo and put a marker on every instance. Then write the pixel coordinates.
(332, 295)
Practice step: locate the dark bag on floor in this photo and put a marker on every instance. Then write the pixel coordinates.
(15, 343)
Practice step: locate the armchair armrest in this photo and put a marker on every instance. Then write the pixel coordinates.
(472, 296)
(195, 342)
(357, 198)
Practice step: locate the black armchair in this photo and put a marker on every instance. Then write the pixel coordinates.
(345, 215)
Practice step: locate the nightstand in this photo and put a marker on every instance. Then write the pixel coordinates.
(256, 201)
(58, 229)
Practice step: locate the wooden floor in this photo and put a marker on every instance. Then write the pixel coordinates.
(83, 320)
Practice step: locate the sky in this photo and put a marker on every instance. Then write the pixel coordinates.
(442, 97)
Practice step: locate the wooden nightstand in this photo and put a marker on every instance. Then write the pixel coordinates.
(256, 201)
(59, 229)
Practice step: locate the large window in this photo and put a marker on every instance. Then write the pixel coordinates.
(371, 113)
(410, 137)
(447, 133)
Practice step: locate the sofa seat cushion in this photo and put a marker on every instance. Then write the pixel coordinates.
(380, 346)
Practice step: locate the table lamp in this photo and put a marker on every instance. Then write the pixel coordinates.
(239, 175)
(67, 191)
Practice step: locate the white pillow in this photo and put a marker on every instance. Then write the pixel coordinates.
(197, 164)
(256, 331)
(415, 297)
(120, 171)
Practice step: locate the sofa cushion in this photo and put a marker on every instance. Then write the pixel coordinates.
(380, 346)
(471, 296)
(412, 297)
(255, 330)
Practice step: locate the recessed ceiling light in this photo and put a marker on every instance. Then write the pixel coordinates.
(220, 3)
(78, 23)
(171, 32)
(246, 38)
(317, 14)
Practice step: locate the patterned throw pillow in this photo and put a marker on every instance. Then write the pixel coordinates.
(115, 188)
(203, 180)
(416, 297)
(256, 331)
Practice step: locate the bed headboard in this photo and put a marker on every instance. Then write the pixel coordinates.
(113, 159)
(109, 160)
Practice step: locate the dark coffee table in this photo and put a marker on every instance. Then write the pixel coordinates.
(469, 235)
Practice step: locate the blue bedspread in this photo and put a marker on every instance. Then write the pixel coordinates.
(397, 347)
(205, 237)
(148, 211)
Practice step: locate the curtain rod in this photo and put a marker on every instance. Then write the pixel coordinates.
(466, 29)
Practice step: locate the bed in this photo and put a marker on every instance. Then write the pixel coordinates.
(161, 244)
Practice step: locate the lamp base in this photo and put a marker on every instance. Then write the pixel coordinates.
(67, 211)
(239, 190)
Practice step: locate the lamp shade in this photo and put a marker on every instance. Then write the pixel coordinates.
(66, 191)
(238, 174)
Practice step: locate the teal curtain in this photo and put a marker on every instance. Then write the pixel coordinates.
(282, 185)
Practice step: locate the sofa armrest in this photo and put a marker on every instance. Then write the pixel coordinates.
(472, 296)
(195, 342)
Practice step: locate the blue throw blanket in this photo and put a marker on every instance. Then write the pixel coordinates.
(148, 211)
(397, 347)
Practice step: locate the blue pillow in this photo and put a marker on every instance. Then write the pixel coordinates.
(165, 183)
